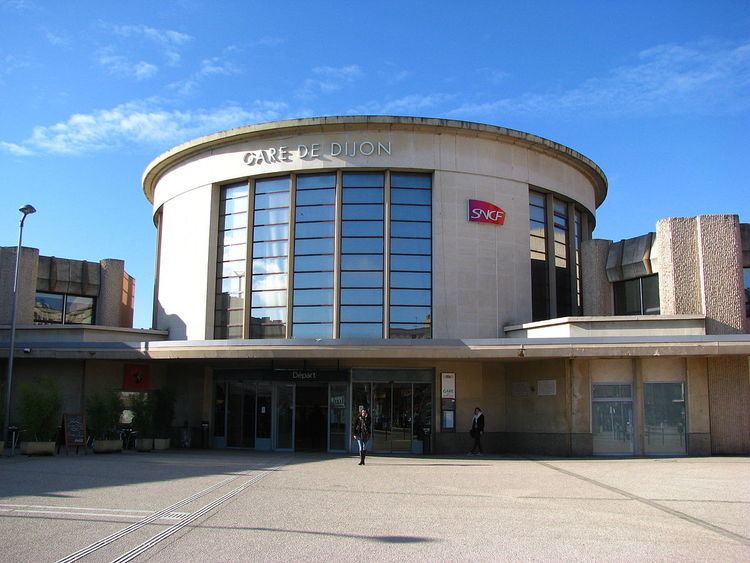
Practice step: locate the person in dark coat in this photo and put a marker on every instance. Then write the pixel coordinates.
(362, 431)
(477, 429)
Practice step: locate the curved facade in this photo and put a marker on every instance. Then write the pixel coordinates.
(359, 227)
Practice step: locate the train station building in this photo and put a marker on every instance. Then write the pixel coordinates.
(420, 268)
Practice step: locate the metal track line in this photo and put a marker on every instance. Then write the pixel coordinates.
(81, 553)
(161, 536)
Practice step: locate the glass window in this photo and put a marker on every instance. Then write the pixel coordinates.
(259, 329)
(411, 314)
(79, 310)
(235, 221)
(411, 279)
(315, 213)
(314, 246)
(269, 281)
(48, 308)
(363, 195)
(413, 331)
(271, 232)
(411, 246)
(272, 216)
(362, 246)
(362, 262)
(314, 230)
(313, 181)
(650, 292)
(313, 263)
(362, 212)
(269, 299)
(269, 314)
(264, 249)
(540, 305)
(235, 205)
(423, 181)
(416, 197)
(363, 179)
(411, 297)
(313, 297)
(411, 213)
(411, 229)
(639, 296)
(361, 313)
(267, 201)
(411, 263)
(316, 197)
(362, 279)
(312, 330)
(313, 314)
(362, 228)
(267, 185)
(234, 268)
(361, 330)
(361, 296)
(235, 191)
(612, 418)
(313, 280)
(235, 236)
(269, 265)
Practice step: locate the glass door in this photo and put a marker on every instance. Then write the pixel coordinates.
(284, 416)
(263, 416)
(665, 418)
(380, 415)
(337, 432)
(402, 417)
(612, 418)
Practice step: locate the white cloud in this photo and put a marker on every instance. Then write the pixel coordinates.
(121, 66)
(405, 105)
(330, 79)
(215, 65)
(9, 63)
(667, 79)
(14, 149)
(267, 41)
(56, 39)
(140, 123)
(168, 40)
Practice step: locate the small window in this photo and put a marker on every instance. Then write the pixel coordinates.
(639, 296)
(61, 308)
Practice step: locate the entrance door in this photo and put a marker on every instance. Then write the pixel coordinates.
(284, 416)
(392, 414)
(612, 418)
(310, 413)
(240, 414)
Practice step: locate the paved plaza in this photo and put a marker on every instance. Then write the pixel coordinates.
(238, 505)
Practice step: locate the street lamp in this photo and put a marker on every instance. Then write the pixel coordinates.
(26, 210)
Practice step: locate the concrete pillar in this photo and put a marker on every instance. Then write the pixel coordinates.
(597, 291)
(722, 286)
(698, 412)
(581, 439)
(109, 302)
(679, 280)
(27, 275)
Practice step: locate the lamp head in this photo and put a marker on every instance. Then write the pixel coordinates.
(27, 209)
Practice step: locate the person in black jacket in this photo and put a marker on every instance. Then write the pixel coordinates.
(361, 433)
(477, 429)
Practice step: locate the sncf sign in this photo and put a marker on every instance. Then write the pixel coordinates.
(485, 212)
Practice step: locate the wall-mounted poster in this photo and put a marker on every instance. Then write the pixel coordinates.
(546, 387)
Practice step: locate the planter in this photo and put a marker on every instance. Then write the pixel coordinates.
(161, 443)
(107, 446)
(144, 444)
(38, 448)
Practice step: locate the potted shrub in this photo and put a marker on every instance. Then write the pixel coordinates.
(103, 412)
(164, 400)
(142, 407)
(40, 416)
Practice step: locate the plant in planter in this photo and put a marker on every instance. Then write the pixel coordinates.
(142, 407)
(41, 408)
(103, 412)
(164, 400)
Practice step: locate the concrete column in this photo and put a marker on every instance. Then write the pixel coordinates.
(109, 301)
(27, 274)
(597, 291)
(720, 262)
(679, 280)
(698, 412)
(581, 438)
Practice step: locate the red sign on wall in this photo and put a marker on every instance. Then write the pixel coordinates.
(137, 377)
(485, 212)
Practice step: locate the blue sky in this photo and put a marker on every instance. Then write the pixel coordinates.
(656, 93)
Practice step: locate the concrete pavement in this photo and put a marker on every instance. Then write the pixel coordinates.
(238, 505)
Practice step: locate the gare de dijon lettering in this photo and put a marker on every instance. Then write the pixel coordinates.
(316, 150)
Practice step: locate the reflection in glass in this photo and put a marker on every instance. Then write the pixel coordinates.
(612, 419)
(664, 408)
(361, 330)
(48, 308)
(284, 416)
(312, 330)
(361, 313)
(230, 265)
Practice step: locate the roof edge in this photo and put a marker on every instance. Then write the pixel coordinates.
(168, 159)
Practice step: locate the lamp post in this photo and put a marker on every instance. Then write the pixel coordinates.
(26, 210)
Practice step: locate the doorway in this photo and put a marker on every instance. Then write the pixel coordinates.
(310, 414)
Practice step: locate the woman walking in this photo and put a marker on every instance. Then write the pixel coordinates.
(362, 433)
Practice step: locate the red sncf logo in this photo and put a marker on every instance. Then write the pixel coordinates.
(485, 212)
